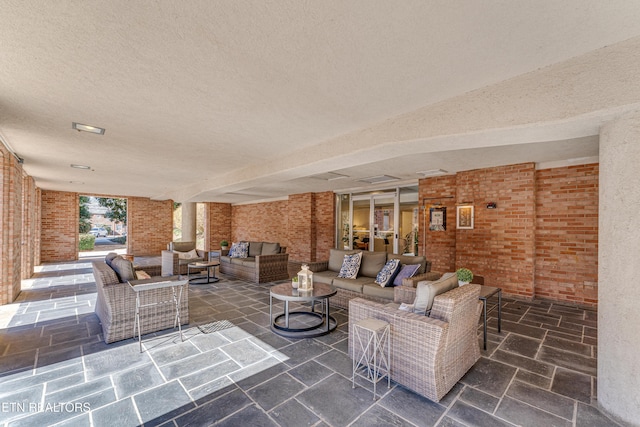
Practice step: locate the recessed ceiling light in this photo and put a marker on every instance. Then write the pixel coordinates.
(80, 166)
(76, 182)
(378, 179)
(87, 128)
(433, 172)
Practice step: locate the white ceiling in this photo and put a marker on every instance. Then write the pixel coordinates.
(238, 101)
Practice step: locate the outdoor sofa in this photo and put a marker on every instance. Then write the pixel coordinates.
(261, 262)
(363, 286)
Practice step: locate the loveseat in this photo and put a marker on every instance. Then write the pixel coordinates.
(261, 262)
(429, 354)
(116, 301)
(363, 285)
(179, 255)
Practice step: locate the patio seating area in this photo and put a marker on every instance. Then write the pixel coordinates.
(232, 370)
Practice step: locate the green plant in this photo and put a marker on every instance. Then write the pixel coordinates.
(87, 242)
(464, 275)
(295, 278)
(224, 243)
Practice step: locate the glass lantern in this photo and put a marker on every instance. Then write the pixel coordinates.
(305, 278)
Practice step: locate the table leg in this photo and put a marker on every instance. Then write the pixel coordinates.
(326, 316)
(484, 309)
(137, 321)
(286, 314)
(500, 310)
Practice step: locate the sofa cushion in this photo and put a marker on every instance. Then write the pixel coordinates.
(270, 248)
(192, 254)
(374, 290)
(386, 275)
(336, 256)
(426, 291)
(225, 258)
(249, 262)
(406, 271)
(325, 277)
(182, 246)
(372, 263)
(255, 249)
(237, 261)
(354, 285)
(124, 269)
(350, 266)
(109, 257)
(411, 259)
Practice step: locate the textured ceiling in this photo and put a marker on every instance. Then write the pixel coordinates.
(241, 101)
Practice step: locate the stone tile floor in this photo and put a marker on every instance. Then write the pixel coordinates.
(232, 370)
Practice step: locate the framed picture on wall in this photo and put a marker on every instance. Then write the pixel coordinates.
(438, 219)
(465, 217)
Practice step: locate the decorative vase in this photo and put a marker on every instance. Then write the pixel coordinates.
(294, 284)
(461, 283)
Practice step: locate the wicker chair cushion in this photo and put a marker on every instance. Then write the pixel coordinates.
(405, 272)
(350, 266)
(385, 277)
(192, 254)
(110, 256)
(427, 291)
(124, 269)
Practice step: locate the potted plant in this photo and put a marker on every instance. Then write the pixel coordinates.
(294, 282)
(465, 276)
(224, 245)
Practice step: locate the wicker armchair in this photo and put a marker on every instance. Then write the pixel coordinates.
(116, 306)
(429, 355)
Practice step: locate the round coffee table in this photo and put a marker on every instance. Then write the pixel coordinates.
(211, 265)
(302, 323)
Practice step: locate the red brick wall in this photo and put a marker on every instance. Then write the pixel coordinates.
(302, 234)
(567, 234)
(149, 225)
(60, 216)
(11, 220)
(325, 219)
(30, 226)
(260, 222)
(217, 224)
(438, 246)
(501, 247)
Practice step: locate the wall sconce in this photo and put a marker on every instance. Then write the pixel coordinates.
(492, 205)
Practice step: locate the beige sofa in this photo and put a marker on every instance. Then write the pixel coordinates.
(116, 302)
(429, 354)
(364, 285)
(172, 264)
(266, 262)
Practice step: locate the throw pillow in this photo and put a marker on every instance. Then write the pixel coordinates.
(408, 270)
(124, 269)
(350, 266)
(142, 275)
(239, 250)
(386, 275)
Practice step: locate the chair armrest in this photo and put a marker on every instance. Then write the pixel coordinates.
(224, 252)
(203, 254)
(170, 263)
(262, 260)
(412, 282)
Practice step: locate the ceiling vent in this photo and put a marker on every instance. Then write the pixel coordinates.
(379, 179)
(433, 172)
(329, 176)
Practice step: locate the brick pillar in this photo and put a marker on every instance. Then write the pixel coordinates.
(59, 223)
(217, 224)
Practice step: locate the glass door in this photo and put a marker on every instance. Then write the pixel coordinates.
(384, 220)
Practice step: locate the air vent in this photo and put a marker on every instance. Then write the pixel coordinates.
(329, 176)
(433, 172)
(379, 179)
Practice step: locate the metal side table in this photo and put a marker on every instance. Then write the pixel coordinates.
(140, 286)
(372, 335)
(487, 292)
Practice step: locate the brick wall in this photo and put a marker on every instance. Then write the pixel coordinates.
(501, 247)
(149, 225)
(567, 234)
(30, 226)
(217, 224)
(11, 219)
(260, 222)
(60, 216)
(438, 246)
(302, 234)
(325, 219)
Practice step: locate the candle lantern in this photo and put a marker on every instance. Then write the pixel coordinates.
(305, 278)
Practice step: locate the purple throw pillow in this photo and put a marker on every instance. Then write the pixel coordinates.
(408, 270)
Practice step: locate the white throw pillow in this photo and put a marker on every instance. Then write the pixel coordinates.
(350, 266)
